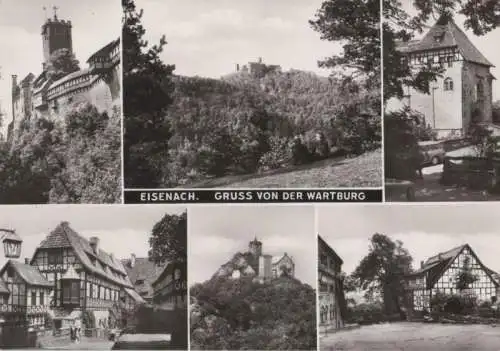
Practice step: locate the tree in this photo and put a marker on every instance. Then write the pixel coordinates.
(357, 23)
(381, 272)
(168, 239)
(466, 277)
(61, 63)
(147, 93)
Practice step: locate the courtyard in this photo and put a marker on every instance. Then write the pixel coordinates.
(414, 337)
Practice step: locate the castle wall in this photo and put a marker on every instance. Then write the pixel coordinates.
(442, 108)
(265, 266)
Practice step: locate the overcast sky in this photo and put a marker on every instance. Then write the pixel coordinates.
(95, 24)
(425, 230)
(483, 44)
(122, 230)
(208, 38)
(216, 233)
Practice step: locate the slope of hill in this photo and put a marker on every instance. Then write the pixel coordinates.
(244, 314)
(241, 124)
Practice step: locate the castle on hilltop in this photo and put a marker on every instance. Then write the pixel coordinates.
(42, 96)
(255, 263)
(258, 69)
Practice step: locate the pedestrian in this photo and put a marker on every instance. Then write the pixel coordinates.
(72, 333)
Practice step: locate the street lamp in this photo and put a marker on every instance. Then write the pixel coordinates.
(11, 243)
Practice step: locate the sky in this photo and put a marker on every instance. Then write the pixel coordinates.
(483, 44)
(208, 38)
(122, 230)
(216, 233)
(95, 24)
(425, 229)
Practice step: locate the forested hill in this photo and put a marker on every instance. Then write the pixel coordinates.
(241, 124)
(243, 314)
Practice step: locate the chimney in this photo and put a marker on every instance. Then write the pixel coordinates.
(421, 264)
(260, 59)
(26, 260)
(237, 67)
(132, 260)
(14, 81)
(94, 243)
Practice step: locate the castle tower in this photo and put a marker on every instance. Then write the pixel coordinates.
(56, 34)
(265, 266)
(255, 247)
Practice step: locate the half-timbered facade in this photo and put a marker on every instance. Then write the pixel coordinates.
(170, 289)
(83, 277)
(462, 93)
(442, 274)
(332, 304)
(24, 294)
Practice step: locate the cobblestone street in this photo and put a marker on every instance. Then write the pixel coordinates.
(414, 337)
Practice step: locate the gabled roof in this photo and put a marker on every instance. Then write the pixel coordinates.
(170, 268)
(449, 35)
(143, 269)
(438, 264)
(104, 51)
(330, 251)
(133, 294)
(28, 79)
(64, 236)
(277, 259)
(28, 273)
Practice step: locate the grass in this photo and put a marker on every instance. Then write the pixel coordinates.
(361, 171)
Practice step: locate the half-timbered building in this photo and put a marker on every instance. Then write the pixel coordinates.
(462, 93)
(84, 279)
(443, 274)
(170, 288)
(332, 303)
(142, 272)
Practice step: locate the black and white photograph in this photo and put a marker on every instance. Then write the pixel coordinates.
(93, 277)
(442, 102)
(409, 277)
(60, 102)
(253, 284)
(252, 94)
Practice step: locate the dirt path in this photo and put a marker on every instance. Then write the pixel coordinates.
(414, 337)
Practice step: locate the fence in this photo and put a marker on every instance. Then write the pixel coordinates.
(478, 173)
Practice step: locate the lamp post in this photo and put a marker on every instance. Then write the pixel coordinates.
(11, 243)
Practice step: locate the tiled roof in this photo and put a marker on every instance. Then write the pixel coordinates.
(135, 295)
(322, 242)
(64, 236)
(28, 273)
(142, 269)
(105, 51)
(450, 36)
(3, 288)
(169, 269)
(437, 265)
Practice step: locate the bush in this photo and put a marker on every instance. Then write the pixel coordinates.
(366, 313)
(455, 304)
(279, 155)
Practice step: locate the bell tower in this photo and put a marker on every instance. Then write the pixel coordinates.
(255, 247)
(56, 34)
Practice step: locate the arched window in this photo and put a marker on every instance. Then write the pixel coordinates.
(448, 84)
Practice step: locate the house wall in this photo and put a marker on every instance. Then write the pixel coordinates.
(329, 270)
(474, 74)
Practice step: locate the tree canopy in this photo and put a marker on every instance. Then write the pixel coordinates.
(380, 273)
(168, 239)
(61, 63)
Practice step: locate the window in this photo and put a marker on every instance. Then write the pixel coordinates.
(33, 298)
(42, 298)
(71, 292)
(139, 282)
(55, 257)
(448, 84)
